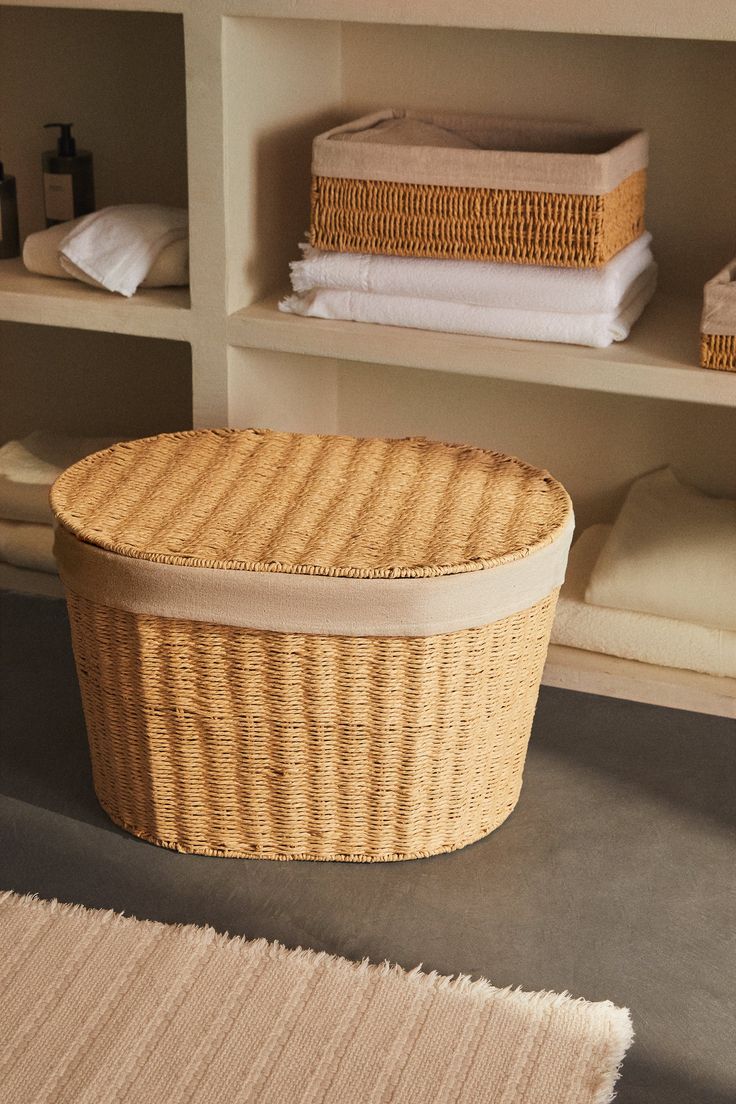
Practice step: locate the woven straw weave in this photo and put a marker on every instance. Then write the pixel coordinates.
(264, 501)
(718, 351)
(232, 741)
(480, 224)
(225, 741)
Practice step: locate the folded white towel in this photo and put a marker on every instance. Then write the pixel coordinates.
(117, 247)
(41, 255)
(27, 545)
(29, 467)
(477, 283)
(433, 314)
(631, 635)
(672, 551)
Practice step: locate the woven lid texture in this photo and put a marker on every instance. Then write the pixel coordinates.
(264, 501)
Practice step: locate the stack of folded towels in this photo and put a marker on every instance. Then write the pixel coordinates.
(27, 470)
(532, 302)
(118, 249)
(657, 586)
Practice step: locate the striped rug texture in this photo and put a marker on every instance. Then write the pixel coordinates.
(96, 1007)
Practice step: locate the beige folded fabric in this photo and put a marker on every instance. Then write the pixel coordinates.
(41, 255)
(672, 552)
(29, 467)
(641, 636)
(27, 545)
(571, 158)
(22, 580)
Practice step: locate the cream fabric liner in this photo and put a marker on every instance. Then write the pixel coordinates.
(279, 602)
(719, 303)
(100, 1007)
(572, 173)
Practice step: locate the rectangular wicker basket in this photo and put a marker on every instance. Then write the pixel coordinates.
(562, 194)
(718, 322)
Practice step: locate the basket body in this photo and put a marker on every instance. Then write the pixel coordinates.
(718, 351)
(718, 322)
(476, 224)
(576, 205)
(225, 741)
(300, 647)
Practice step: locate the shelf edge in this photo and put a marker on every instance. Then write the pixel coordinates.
(263, 327)
(612, 677)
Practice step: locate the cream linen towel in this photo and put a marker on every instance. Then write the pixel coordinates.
(598, 330)
(41, 255)
(27, 545)
(118, 246)
(29, 467)
(477, 283)
(641, 636)
(672, 551)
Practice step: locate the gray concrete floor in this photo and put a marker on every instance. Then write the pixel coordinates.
(614, 878)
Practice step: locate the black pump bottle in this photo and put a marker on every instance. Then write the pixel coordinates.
(9, 241)
(68, 180)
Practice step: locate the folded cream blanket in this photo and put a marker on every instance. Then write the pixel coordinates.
(477, 283)
(41, 255)
(598, 330)
(645, 637)
(27, 545)
(29, 467)
(672, 551)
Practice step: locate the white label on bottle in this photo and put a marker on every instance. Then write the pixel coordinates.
(58, 194)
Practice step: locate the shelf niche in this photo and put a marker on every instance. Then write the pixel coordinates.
(120, 78)
(286, 80)
(91, 384)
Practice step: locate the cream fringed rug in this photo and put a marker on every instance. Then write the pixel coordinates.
(95, 1007)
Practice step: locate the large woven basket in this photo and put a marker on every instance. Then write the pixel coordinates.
(535, 193)
(308, 647)
(718, 322)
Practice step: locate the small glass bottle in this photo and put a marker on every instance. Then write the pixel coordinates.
(9, 237)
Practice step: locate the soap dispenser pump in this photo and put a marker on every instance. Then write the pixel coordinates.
(68, 180)
(9, 240)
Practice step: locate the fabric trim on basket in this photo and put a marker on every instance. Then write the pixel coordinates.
(512, 154)
(334, 606)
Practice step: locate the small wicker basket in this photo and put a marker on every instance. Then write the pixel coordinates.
(302, 647)
(501, 190)
(718, 322)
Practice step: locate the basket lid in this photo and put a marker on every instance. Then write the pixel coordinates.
(260, 500)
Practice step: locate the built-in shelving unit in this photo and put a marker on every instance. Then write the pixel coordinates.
(215, 103)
